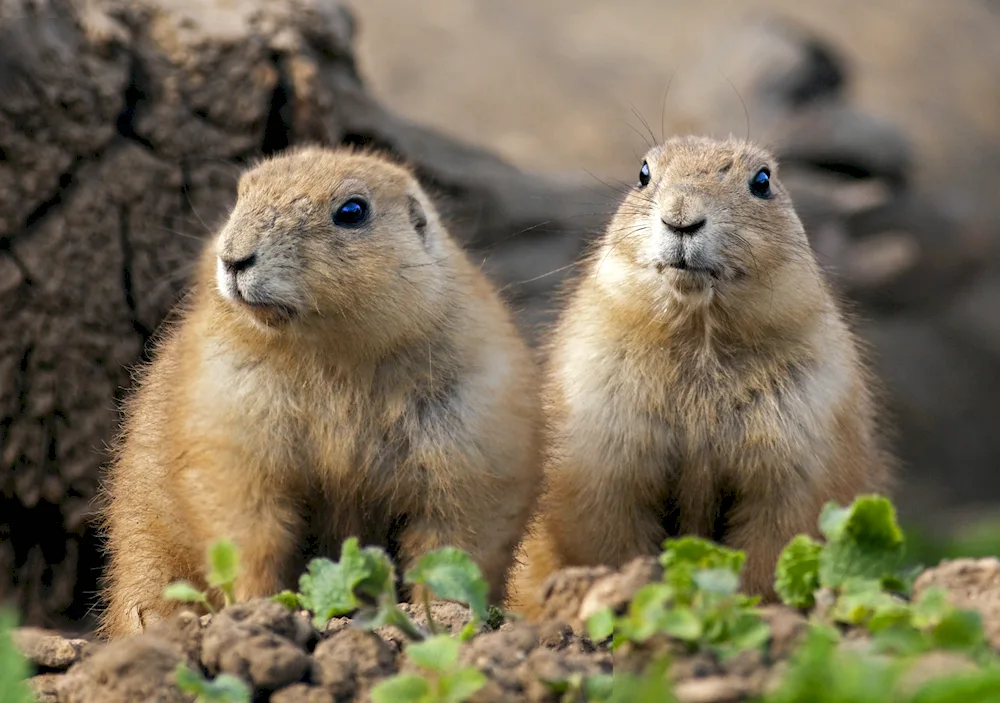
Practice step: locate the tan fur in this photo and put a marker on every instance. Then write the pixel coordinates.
(387, 381)
(677, 400)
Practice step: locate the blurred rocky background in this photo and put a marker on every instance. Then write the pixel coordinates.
(124, 124)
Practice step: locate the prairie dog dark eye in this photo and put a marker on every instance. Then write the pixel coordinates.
(352, 213)
(644, 175)
(760, 184)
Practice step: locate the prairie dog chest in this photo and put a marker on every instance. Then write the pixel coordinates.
(706, 413)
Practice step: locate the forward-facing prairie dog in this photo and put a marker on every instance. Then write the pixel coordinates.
(700, 380)
(340, 369)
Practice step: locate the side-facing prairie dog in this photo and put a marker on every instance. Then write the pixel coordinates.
(340, 369)
(700, 380)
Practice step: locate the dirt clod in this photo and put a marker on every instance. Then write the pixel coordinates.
(301, 693)
(351, 661)
(133, 669)
(615, 590)
(259, 641)
(48, 650)
(44, 687)
(564, 590)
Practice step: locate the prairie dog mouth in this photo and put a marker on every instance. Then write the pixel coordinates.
(682, 264)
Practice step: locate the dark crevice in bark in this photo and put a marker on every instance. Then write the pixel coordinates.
(126, 246)
(278, 128)
(134, 95)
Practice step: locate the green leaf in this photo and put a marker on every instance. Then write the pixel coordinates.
(863, 541)
(437, 653)
(14, 668)
(460, 685)
(451, 574)
(821, 673)
(682, 623)
(930, 607)
(184, 592)
(748, 632)
(288, 599)
(797, 573)
(685, 557)
(697, 553)
(861, 599)
(980, 686)
(598, 687)
(223, 565)
(722, 582)
(901, 639)
(330, 589)
(402, 688)
(225, 688)
(645, 612)
(959, 629)
(600, 625)
(468, 631)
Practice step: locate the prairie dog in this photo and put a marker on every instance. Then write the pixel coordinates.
(701, 378)
(339, 369)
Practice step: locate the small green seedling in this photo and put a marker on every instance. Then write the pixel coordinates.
(697, 602)
(223, 570)
(224, 688)
(14, 668)
(863, 544)
(444, 682)
(364, 582)
(577, 687)
(451, 574)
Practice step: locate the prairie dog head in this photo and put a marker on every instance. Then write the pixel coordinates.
(323, 238)
(706, 221)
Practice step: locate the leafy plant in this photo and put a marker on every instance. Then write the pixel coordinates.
(14, 668)
(823, 672)
(697, 602)
(223, 570)
(362, 582)
(450, 574)
(224, 688)
(579, 687)
(445, 681)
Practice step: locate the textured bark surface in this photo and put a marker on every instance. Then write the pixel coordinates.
(123, 127)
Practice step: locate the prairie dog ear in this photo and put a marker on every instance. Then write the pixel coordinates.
(418, 218)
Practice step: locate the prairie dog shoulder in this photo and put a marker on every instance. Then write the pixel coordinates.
(341, 369)
(701, 378)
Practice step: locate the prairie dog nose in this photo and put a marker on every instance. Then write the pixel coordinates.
(687, 229)
(236, 265)
(683, 213)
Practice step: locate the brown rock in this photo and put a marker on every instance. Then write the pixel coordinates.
(616, 590)
(301, 693)
(44, 687)
(48, 650)
(717, 689)
(259, 641)
(563, 592)
(130, 669)
(351, 661)
(500, 655)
